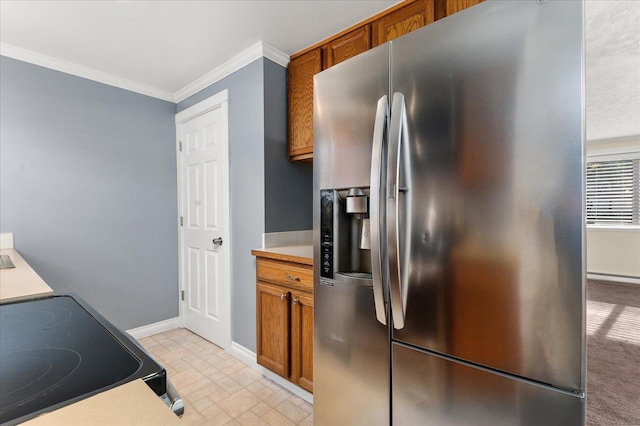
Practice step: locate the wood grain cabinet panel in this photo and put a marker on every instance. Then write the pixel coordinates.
(454, 6)
(300, 90)
(289, 274)
(409, 18)
(284, 319)
(273, 327)
(347, 46)
(302, 340)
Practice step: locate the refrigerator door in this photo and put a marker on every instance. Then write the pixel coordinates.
(432, 390)
(494, 188)
(351, 345)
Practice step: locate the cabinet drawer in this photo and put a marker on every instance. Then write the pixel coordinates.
(284, 273)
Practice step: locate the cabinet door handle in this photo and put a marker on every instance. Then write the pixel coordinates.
(290, 278)
(295, 300)
(283, 295)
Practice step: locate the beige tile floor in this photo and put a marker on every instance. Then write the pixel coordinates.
(218, 389)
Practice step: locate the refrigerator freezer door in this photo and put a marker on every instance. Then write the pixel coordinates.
(494, 180)
(351, 348)
(430, 390)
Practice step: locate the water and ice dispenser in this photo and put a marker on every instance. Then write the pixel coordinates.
(344, 233)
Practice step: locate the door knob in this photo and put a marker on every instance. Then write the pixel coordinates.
(217, 241)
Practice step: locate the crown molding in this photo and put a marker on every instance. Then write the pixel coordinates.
(258, 50)
(84, 72)
(270, 52)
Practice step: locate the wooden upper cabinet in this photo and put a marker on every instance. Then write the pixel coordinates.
(397, 21)
(300, 92)
(454, 6)
(404, 20)
(347, 46)
(449, 7)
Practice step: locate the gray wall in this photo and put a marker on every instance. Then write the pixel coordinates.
(288, 186)
(88, 186)
(246, 171)
(257, 166)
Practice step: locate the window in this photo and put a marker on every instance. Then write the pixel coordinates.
(613, 192)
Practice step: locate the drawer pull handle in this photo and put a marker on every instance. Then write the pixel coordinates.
(295, 300)
(283, 295)
(290, 278)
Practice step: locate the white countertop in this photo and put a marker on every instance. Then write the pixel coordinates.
(21, 282)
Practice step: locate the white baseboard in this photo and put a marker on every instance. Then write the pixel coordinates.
(248, 357)
(155, 328)
(614, 278)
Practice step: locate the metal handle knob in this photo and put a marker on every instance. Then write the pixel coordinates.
(283, 295)
(290, 278)
(217, 241)
(295, 300)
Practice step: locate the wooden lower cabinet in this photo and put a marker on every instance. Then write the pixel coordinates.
(272, 311)
(284, 320)
(302, 340)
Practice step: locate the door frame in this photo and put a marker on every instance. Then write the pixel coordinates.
(219, 100)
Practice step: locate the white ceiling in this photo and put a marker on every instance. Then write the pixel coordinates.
(169, 44)
(165, 46)
(612, 69)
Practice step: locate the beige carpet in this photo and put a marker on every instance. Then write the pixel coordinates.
(613, 354)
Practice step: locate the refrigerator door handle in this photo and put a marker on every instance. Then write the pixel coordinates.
(397, 137)
(376, 194)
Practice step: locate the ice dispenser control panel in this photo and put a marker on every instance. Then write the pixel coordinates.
(326, 233)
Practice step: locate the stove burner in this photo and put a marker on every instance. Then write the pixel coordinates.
(55, 351)
(22, 322)
(27, 374)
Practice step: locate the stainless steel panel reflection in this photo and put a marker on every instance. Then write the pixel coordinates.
(431, 390)
(351, 348)
(344, 108)
(495, 187)
(351, 355)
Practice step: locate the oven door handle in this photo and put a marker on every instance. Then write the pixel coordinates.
(173, 400)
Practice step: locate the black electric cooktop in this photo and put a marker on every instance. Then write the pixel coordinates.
(59, 350)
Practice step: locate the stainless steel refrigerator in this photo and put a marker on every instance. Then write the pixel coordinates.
(449, 224)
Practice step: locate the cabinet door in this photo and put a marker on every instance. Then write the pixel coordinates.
(301, 71)
(409, 18)
(302, 340)
(449, 7)
(454, 6)
(272, 328)
(347, 46)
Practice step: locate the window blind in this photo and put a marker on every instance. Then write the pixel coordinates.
(613, 192)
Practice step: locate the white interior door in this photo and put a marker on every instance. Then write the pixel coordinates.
(205, 254)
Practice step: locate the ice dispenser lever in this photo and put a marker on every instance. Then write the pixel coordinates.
(356, 201)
